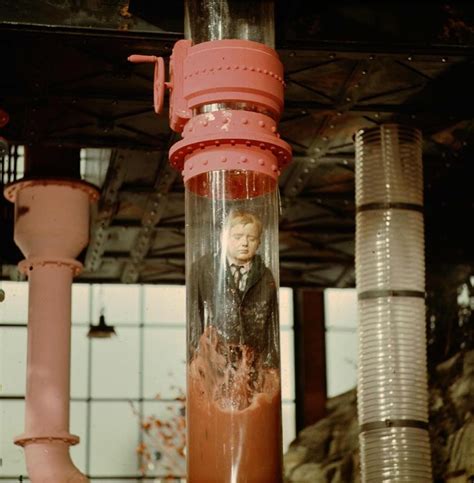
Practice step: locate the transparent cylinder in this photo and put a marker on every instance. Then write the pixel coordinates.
(206, 20)
(233, 364)
(390, 273)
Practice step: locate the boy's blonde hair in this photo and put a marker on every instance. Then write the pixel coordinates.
(240, 217)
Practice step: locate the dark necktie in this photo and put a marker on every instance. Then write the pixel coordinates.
(239, 271)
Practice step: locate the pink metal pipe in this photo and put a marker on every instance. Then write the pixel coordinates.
(47, 390)
(51, 463)
(51, 228)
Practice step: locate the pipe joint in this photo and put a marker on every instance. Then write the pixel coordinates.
(51, 216)
(28, 265)
(25, 439)
(12, 190)
(219, 71)
(231, 140)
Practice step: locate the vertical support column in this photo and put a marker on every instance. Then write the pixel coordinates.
(310, 348)
(390, 271)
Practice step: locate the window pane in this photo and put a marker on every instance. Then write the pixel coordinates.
(164, 368)
(287, 364)
(115, 367)
(114, 439)
(165, 304)
(121, 303)
(340, 307)
(80, 303)
(165, 455)
(14, 309)
(341, 361)
(78, 426)
(289, 424)
(286, 307)
(13, 344)
(79, 361)
(12, 417)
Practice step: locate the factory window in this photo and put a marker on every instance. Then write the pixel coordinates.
(12, 164)
(134, 377)
(341, 340)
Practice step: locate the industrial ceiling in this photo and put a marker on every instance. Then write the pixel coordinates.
(66, 82)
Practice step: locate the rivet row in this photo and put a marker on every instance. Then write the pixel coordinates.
(226, 120)
(280, 153)
(198, 72)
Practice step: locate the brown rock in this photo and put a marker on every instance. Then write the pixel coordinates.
(328, 450)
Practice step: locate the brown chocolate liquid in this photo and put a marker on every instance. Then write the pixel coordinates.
(233, 416)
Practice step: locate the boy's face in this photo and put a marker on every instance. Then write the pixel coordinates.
(242, 243)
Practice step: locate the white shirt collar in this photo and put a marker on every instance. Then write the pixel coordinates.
(246, 266)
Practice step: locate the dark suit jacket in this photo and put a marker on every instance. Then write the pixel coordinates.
(249, 317)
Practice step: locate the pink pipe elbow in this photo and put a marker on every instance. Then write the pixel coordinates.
(51, 228)
(51, 463)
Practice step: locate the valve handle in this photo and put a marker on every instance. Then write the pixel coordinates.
(159, 83)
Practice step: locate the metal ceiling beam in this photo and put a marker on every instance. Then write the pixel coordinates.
(106, 209)
(360, 49)
(315, 258)
(410, 109)
(346, 278)
(150, 39)
(348, 96)
(73, 96)
(102, 141)
(307, 226)
(154, 210)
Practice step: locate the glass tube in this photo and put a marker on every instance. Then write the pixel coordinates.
(390, 274)
(206, 20)
(233, 361)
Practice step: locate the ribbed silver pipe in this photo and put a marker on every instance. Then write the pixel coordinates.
(390, 278)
